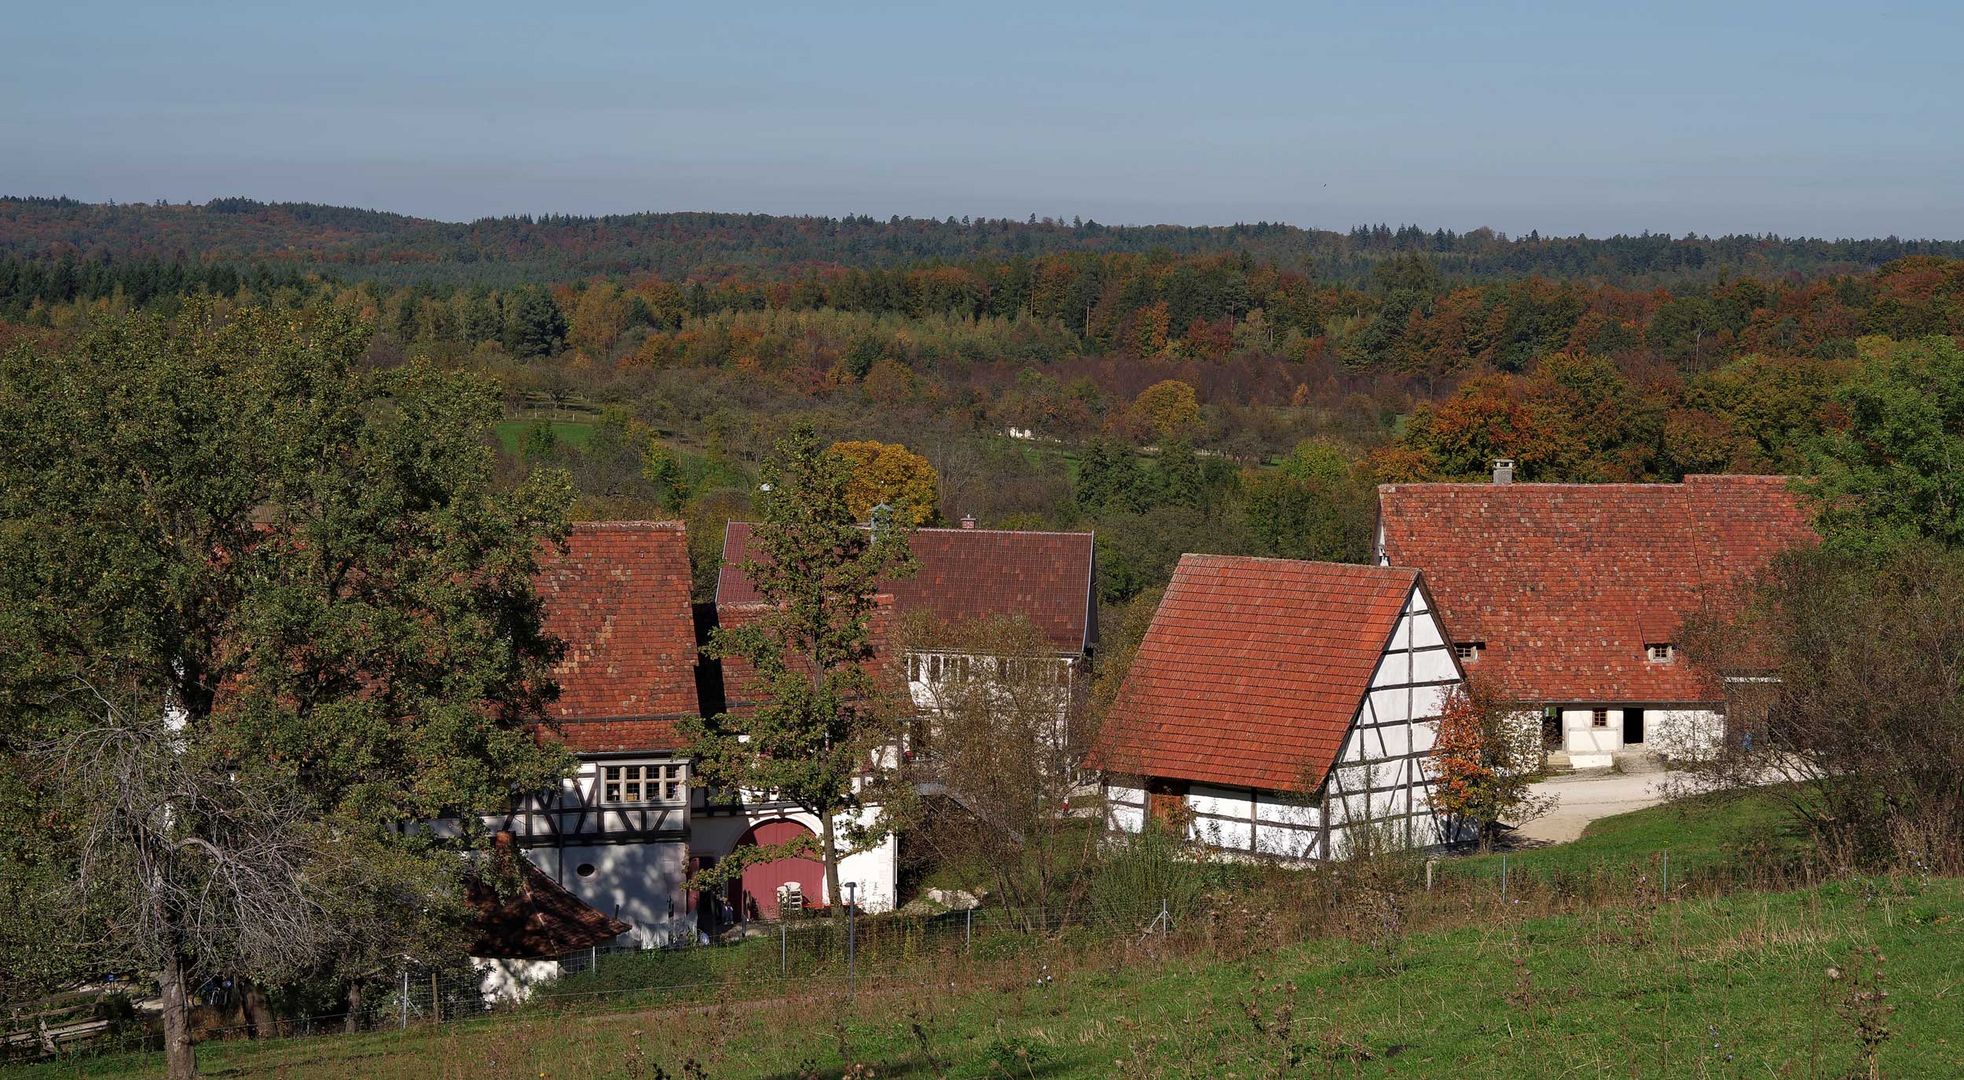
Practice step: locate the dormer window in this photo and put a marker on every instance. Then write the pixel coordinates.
(1468, 651)
(1660, 652)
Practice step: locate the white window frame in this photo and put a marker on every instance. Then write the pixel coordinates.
(632, 783)
(1665, 648)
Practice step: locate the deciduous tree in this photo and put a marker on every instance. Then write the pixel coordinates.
(302, 564)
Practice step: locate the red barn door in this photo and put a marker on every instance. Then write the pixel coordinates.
(757, 893)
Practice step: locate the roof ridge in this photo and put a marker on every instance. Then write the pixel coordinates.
(666, 526)
(1401, 571)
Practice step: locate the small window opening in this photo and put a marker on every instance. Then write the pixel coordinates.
(1469, 651)
(1599, 718)
(1660, 652)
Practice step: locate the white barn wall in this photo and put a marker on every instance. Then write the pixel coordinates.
(1381, 778)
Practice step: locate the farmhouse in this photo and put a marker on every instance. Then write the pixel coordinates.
(1571, 598)
(968, 574)
(1281, 708)
(628, 830)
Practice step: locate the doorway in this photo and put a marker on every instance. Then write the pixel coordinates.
(1632, 727)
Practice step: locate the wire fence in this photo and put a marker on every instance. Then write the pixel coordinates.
(1218, 908)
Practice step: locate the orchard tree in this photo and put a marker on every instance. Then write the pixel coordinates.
(261, 611)
(1168, 410)
(825, 731)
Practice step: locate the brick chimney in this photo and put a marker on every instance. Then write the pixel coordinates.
(968, 521)
(1503, 470)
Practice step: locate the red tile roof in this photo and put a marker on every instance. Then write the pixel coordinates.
(1252, 671)
(619, 597)
(1567, 583)
(967, 574)
(536, 919)
(741, 687)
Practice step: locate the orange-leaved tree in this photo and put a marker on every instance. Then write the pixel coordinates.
(1486, 757)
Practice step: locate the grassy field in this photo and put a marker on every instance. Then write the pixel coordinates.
(511, 433)
(1741, 986)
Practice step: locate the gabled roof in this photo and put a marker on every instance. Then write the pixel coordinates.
(1567, 583)
(537, 919)
(619, 597)
(1252, 671)
(967, 574)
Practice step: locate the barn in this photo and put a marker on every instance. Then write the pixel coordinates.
(1282, 709)
(1572, 599)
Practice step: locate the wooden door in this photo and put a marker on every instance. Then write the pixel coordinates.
(1166, 803)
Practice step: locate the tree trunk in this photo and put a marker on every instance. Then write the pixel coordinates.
(180, 1055)
(352, 1022)
(258, 1011)
(835, 897)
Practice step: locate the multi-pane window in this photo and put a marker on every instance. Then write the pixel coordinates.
(641, 783)
(1468, 651)
(1659, 653)
(1599, 717)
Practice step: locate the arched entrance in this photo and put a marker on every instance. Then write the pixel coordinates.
(755, 896)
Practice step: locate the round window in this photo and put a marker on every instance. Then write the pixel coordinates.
(585, 869)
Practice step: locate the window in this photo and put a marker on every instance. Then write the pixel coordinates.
(913, 668)
(1469, 651)
(1659, 653)
(641, 784)
(1599, 718)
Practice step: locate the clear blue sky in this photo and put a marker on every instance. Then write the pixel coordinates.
(1800, 118)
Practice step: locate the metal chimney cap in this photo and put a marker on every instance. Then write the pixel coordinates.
(1503, 470)
(968, 521)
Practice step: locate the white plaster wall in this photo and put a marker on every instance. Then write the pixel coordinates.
(1684, 733)
(510, 982)
(1580, 736)
(876, 870)
(640, 883)
(1433, 666)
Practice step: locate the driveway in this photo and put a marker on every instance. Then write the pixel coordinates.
(1583, 799)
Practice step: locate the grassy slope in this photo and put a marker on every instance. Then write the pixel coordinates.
(1728, 987)
(1731, 987)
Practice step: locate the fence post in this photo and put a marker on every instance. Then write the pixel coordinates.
(852, 927)
(1667, 875)
(436, 1007)
(593, 957)
(968, 929)
(1503, 879)
(1165, 919)
(1429, 865)
(783, 948)
(405, 1000)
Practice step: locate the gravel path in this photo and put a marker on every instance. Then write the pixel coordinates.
(1583, 799)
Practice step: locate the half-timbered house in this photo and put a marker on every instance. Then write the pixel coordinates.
(1280, 708)
(617, 835)
(1571, 598)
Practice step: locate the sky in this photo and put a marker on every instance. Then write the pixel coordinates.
(1800, 118)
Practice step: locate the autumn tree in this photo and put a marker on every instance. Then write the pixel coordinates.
(1005, 732)
(889, 474)
(1168, 409)
(1484, 760)
(261, 608)
(821, 737)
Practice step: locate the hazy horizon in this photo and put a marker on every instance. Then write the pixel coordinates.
(1799, 119)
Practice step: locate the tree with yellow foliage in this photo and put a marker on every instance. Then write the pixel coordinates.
(1170, 409)
(892, 474)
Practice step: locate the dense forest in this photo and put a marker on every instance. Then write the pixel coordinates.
(373, 245)
(1235, 389)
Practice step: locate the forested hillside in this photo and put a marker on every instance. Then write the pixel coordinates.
(367, 244)
(1234, 390)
